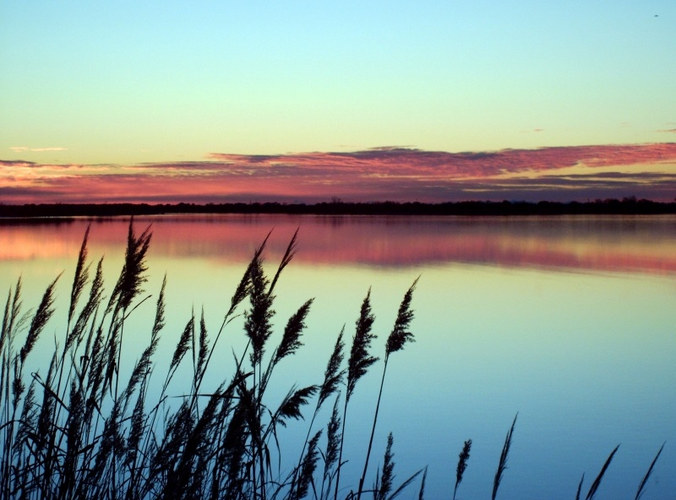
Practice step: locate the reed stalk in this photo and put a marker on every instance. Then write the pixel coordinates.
(396, 341)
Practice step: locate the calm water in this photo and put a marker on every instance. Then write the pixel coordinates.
(569, 321)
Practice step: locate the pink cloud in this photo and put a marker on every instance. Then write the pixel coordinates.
(391, 173)
(471, 164)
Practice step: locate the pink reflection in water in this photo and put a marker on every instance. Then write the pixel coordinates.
(605, 243)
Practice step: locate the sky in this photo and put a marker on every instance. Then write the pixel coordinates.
(364, 101)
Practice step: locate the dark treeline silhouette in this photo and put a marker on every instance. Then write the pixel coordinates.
(607, 206)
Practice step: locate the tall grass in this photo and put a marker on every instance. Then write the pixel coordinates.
(81, 427)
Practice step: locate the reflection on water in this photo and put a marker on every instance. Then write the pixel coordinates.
(586, 358)
(609, 243)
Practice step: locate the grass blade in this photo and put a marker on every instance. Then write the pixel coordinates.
(502, 465)
(421, 493)
(579, 488)
(597, 482)
(641, 486)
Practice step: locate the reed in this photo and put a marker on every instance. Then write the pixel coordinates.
(644, 481)
(396, 341)
(384, 487)
(502, 464)
(358, 363)
(597, 482)
(330, 455)
(462, 465)
(86, 427)
(423, 481)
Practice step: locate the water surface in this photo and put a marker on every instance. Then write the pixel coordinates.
(568, 321)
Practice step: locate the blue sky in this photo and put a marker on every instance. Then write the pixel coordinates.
(133, 82)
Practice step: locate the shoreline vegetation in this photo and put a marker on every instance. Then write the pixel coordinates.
(84, 427)
(625, 206)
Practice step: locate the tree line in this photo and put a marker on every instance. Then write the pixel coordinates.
(337, 207)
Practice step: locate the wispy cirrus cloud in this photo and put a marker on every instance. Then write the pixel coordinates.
(385, 173)
(24, 149)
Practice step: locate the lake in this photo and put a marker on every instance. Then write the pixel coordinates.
(569, 321)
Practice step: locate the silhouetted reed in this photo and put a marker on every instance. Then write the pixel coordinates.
(399, 336)
(358, 363)
(502, 464)
(87, 428)
(597, 482)
(644, 481)
(462, 465)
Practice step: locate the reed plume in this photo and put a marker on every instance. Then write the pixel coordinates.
(292, 403)
(73, 440)
(244, 285)
(132, 277)
(203, 348)
(95, 296)
(333, 374)
(40, 319)
(286, 259)
(182, 345)
(137, 429)
(81, 275)
(291, 339)
(400, 334)
(360, 359)
(11, 315)
(462, 465)
(257, 324)
(383, 489)
(330, 456)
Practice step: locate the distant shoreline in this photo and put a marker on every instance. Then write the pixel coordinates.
(626, 206)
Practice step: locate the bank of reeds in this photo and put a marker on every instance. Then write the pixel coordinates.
(80, 427)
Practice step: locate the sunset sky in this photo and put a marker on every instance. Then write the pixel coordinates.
(306, 101)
